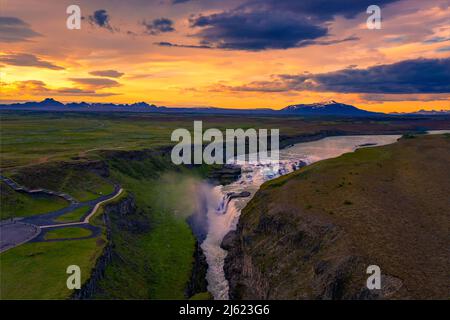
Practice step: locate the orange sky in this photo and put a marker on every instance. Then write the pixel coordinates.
(64, 61)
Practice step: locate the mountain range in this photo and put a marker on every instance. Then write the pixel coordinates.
(329, 108)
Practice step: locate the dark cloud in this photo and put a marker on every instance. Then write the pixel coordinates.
(275, 24)
(409, 76)
(302, 44)
(97, 83)
(256, 30)
(101, 18)
(27, 60)
(170, 44)
(13, 29)
(107, 73)
(157, 26)
(179, 1)
(323, 10)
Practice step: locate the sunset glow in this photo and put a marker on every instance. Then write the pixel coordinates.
(133, 55)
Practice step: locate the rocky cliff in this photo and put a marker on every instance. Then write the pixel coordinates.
(197, 282)
(313, 233)
(291, 255)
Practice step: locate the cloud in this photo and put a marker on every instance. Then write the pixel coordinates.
(302, 44)
(170, 44)
(157, 26)
(39, 88)
(436, 40)
(27, 60)
(97, 83)
(259, 25)
(324, 10)
(409, 76)
(254, 31)
(179, 1)
(405, 97)
(443, 49)
(107, 73)
(101, 19)
(13, 29)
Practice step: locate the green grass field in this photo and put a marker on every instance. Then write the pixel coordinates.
(40, 137)
(74, 215)
(82, 184)
(38, 270)
(67, 233)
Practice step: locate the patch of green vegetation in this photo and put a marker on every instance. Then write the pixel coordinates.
(18, 204)
(409, 136)
(38, 270)
(74, 215)
(201, 296)
(85, 186)
(67, 233)
(80, 183)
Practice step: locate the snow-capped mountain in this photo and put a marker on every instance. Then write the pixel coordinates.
(331, 108)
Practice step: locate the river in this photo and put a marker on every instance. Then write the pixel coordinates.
(223, 214)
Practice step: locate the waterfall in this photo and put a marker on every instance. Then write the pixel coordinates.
(223, 212)
(222, 217)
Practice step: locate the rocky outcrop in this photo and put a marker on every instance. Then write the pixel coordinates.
(127, 216)
(235, 195)
(198, 282)
(225, 174)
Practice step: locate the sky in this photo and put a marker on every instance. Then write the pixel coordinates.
(233, 54)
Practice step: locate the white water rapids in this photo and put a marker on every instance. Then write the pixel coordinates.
(223, 216)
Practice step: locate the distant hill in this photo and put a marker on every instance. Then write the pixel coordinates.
(50, 104)
(425, 112)
(329, 108)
